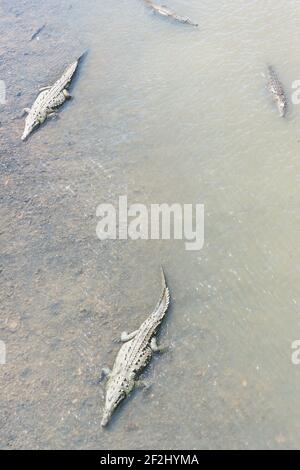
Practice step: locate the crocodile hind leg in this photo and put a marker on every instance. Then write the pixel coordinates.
(155, 348)
(127, 337)
(53, 114)
(66, 94)
(44, 88)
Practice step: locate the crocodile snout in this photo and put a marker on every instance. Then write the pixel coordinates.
(106, 418)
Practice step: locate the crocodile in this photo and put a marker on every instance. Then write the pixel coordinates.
(49, 98)
(38, 31)
(163, 10)
(275, 87)
(133, 356)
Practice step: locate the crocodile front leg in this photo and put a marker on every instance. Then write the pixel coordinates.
(143, 384)
(53, 114)
(24, 112)
(105, 373)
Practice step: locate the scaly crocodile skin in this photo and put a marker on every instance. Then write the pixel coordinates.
(133, 357)
(48, 100)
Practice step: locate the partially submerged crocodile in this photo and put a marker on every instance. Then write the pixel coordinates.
(165, 11)
(50, 98)
(276, 89)
(133, 356)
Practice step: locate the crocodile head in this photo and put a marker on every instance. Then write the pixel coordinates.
(30, 125)
(282, 109)
(282, 106)
(187, 20)
(113, 399)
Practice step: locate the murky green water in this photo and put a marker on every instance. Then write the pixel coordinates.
(162, 113)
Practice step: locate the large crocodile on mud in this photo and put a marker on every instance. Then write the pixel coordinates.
(275, 87)
(50, 98)
(134, 355)
(162, 10)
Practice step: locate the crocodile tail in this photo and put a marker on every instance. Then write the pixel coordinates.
(83, 55)
(272, 72)
(72, 70)
(163, 278)
(164, 301)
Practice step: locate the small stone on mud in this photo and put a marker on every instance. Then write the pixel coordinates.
(25, 373)
(13, 325)
(55, 308)
(280, 439)
(131, 427)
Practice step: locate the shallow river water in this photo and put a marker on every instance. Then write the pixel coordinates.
(162, 113)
